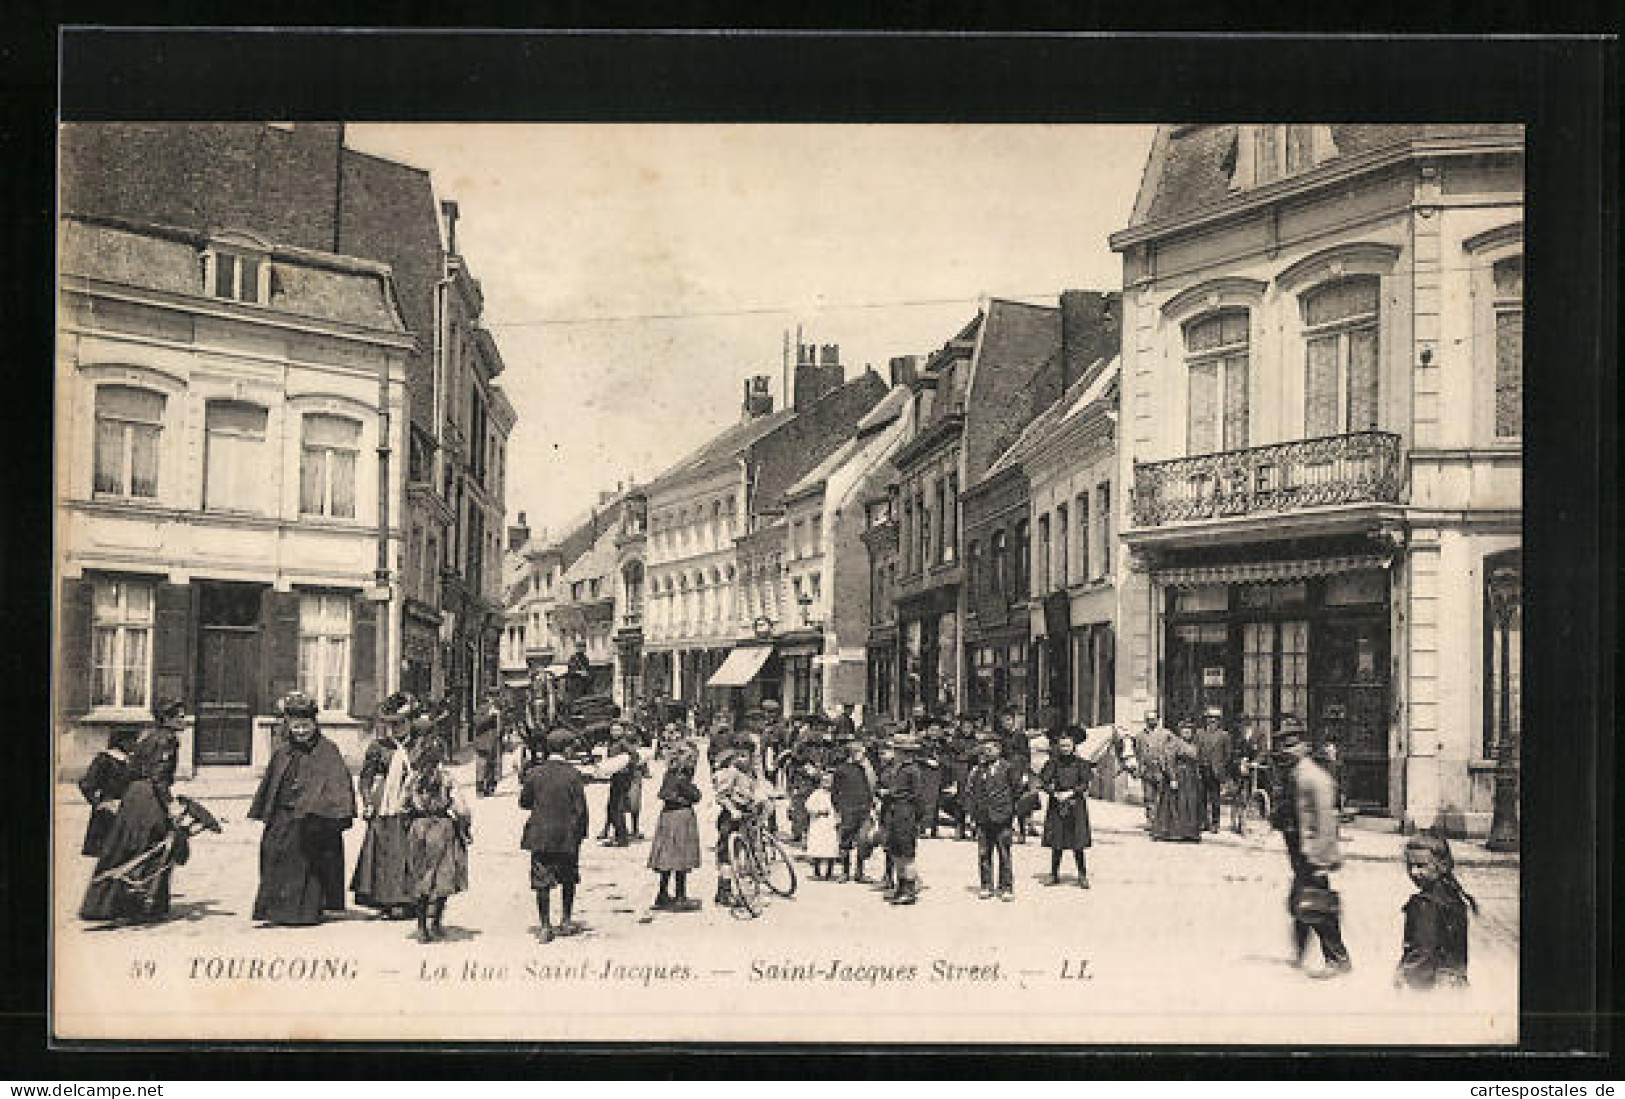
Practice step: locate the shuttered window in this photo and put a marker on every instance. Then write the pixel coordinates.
(1216, 355)
(1340, 336)
(236, 463)
(324, 648)
(121, 644)
(1509, 348)
(327, 466)
(129, 426)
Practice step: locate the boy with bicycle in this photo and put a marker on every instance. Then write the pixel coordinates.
(737, 800)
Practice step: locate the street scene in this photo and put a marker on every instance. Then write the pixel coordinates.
(699, 600)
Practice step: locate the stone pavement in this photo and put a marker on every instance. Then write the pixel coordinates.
(1174, 942)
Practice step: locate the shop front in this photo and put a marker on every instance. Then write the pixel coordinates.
(801, 674)
(928, 643)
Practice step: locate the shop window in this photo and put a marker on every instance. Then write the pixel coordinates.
(129, 427)
(1508, 279)
(121, 644)
(1205, 597)
(235, 460)
(1341, 364)
(327, 467)
(1216, 360)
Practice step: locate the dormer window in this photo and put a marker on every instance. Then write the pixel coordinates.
(237, 275)
(1264, 154)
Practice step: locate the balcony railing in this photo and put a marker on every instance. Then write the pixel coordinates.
(1362, 467)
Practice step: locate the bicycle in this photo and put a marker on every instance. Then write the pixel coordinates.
(756, 859)
(1251, 800)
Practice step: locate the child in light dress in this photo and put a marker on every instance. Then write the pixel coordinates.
(823, 837)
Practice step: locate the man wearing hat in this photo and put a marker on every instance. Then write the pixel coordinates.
(903, 799)
(380, 878)
(991, 790)
(307, 802)
(556, 796)
(1213, 750)
(1150, 746)
(1308, 823)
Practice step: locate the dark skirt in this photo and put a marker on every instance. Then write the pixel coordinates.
(1179, 812)
(1066, 825)
(301, 869)
(902, 830)
(436, 858)
(550, 868)
(98, 828)
(381, 879)
(142, 822)
(676, 844)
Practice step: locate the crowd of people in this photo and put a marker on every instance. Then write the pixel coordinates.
(851, 793)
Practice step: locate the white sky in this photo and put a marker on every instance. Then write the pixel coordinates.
(823, 226)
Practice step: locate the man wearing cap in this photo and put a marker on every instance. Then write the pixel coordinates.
(307, 802)
(1213, 750)
(853, 794)
(380, 879)
(556, 796)
(735, 791)
(1308, 823)
(991, 790)
(903, 799)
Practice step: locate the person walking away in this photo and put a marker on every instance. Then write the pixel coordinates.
(307, 803)
(105, 781)
(1434, 954)
(903, 819)
(930, 761)
(1308, 824)
(487, 754)
(676, 847)
(991, 790)
(556, 796)
(145, 815)
(379, 880)
(852, 793)
(823, 838)
(1213, 750)
(437, 838)
(735, 791)
(1065, 778)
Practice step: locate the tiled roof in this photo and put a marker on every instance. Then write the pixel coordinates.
(721, 450)
(1094, 386)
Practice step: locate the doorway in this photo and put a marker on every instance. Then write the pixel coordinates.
(228, 664)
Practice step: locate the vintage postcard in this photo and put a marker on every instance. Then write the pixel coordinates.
(1040, 584)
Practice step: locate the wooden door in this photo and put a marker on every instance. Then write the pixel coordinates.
(228, 667)
(1351, 704)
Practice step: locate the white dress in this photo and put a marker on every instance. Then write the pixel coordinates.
(823, 841)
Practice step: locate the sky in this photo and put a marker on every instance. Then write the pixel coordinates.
(635, 275)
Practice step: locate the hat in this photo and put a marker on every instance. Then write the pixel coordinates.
(1291, 732)
(297, 704)
(167, 710)
(399, 706)
(560, 740)
(906, 742)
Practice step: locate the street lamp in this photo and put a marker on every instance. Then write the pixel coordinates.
(1505, 590)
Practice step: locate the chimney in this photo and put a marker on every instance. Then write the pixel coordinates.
(758, 400)
(448, 210)
(904, 369)
(1091, 329)
(818, 373)
(518, 534)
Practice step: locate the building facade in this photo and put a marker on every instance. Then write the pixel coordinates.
(227, 515)
(1321, 408)
(631, 549)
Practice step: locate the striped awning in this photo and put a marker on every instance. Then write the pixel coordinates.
(1268, 572)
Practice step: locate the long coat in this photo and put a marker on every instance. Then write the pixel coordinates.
(142, 821)
(103, 785)
(903, 811)
(1213, 747)
(1066, 823)
(557, 799)
(991, 790)
(306, 802)
(1179, 809)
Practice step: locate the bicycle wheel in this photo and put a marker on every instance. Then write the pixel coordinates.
(747, 878)
(778, 872)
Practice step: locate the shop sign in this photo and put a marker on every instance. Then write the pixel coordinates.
(1213, 677)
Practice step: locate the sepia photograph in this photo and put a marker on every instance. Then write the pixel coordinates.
(1006, 583)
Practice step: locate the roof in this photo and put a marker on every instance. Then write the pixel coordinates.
(597, 562)
(720, 451)
(861, 448)
(1190, 166)
(1094, 387)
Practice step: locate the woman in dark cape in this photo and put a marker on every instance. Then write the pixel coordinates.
(1065, 779)
(306, 802)
(144, 819)
(103, 786)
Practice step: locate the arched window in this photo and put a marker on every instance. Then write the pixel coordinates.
(327, 466)
(235, 458)
(129, 426)
(1216, 360)
(1340, 356)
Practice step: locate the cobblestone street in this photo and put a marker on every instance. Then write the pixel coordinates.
(1174, 942)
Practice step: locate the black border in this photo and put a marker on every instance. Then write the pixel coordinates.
(1565, 90)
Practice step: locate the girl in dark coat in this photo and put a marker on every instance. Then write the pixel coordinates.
(145, 817)
(676, 846)
(1065, 779)
(103, 786)
(1435, 950)
(437, 838)
(307, 802)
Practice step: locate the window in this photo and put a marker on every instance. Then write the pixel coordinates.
(1000, 565)
(795, 540)
(121, 643)
(973, 567)
(939, 550)
(239, 277)
(1023, 560)
(1340, 336)
(1282, 151)
(1043, 553)
(129, 424)
(324, 648)
(1503, 647)
(1508, 275)
(1103, 495)
(327, 467)
(815, 536)
(1080, 507)
(950, 520)
(1216, 358)
(922, 553)
(1062, 537)
(235, 462)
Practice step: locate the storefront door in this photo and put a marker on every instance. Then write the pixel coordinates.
(1274, 674)
(1351, 703)
(1196, 671)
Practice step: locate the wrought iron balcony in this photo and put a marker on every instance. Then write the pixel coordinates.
(1361, 467)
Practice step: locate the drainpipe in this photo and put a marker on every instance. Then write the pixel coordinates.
(385, 659)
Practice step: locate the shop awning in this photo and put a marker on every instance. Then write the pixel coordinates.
(741, 666)
(1268, 572)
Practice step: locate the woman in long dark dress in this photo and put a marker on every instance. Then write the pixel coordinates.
(144, 818)
(307, 802)
(1182, 813)
(1065, 778)
(103, 786)
(380, 878)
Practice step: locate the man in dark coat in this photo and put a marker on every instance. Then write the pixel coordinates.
(903, 818)
(307, 802)
(930, 761)
(1019, 751)
(854, 798)
(1213, 749)
(556, 796)
(991, 790)
(487, 752)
